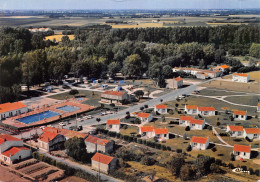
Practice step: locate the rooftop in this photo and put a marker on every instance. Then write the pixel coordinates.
(5, 137)
(240, 112)
(146, 129)
(186, 118)
(143, 115)
(196, 121)
(96, 140)
(206, 108)
(252, 130)
(161, 106)
(159, 131)
(11, 106)
(236, 128)
(47, 136)
(178, 79)
(12, 151)
(242, 148)
(116, 93)
(105, 159)
(240, 74)
(191, 106)
(65, 132)
(196, 139)
(113, 121)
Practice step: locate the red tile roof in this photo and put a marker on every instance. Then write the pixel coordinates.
(196, 139)
(186, 118)
(258, 105)
(116, 93)
(206, 108)
(143, 115)
(146, 129)
(236, 128)
(240, 74)
(191, 106)
(196, 121)
(11, 106)
(242, 148)
(65, 132)
(252, 130)
(161, 106)
(178, 79)
(105, 159)
(5, 137)
(224, 66)
(12, 151)
(113, 121)
(240, 113)
(96, 140)
(47, 136)
(159, 131)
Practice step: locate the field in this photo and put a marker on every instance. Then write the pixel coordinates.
(219, 24)
(255, 75)
(251, 100)
(217, 92)
(73, 179)
(58, 37)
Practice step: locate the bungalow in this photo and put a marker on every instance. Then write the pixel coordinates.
(12, 109)
(239, 77)
(103, 163)
(197, 124)
(191, 109)
(95, 144)
(236, 131)
(15, 154)
(49, 141)
(258, 107)
(115, 97)
(113, 125)
(240, 115)
(206, 111)
(242, 151)
(222, 68)
(146, 131)
(162, 109)
(199, 143)
(161, 133)
(252, 133)
(185, 120)
(145, 117)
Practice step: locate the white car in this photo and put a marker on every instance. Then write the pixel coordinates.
(89, 116)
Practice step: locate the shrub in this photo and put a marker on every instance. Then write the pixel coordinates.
(179, 150)
(140, 141)
(188, 148)
(137, 121)
(118, 135)
(126, 137)
(169, 148)
(257, 172)
(158, 146)
(209, 128)
(187, 128)
(73, 92)
(231, 166)
(218, 162)
(232, 157)
(218, 123)
(138, 135)
(135, 139)
(244, 168)
(148, 161)
(251, 171)
(130, 138)
(186, 173)
(164, 147)
(214, 149)
(171, 112)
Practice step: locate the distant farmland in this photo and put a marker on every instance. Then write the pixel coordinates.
(58, 37)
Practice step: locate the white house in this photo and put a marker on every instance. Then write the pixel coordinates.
(202, 75)
(206, 111)
(49, 141)
(162, 109)
(240, 115)
(145, 117)
(199, 143)
(197, 124)
(116, 97)
(146, 131)
(95, 144)
(252, 133)
(102, 162)
(7, 141)
(258, 107)
(242, 151)
(222, 68)
(161, 133)
(240, 77)
(236, 131)
(185, 120)
(12, 109)
(15, 154)
(191, 109)
(113, 125)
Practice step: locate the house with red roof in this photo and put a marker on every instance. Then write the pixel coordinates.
(116, 97)
(12, 109)
(95, 144)
(65, 132)
(258, 107)
(202, 75)
(49, 141)
(145, 117)
(240, 77)
(191, 109)
(240, 115)
(174, 83)
(162, 109)
(113, 125)
(235, 131)
(146, 131)
(7, 141)
(199, 143)
(192, 122)
(161, 133)
(206, 111)
(242, 151)
(252, 133)
(222, 68)
(185, 120)
(103, 163)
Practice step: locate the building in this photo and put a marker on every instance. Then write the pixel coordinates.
(197, 124)
(222, 68)
(240, 115)
(258, 107)
(199, 143)
(162, 109)
(145, 117)
(242, 151)
(116, 97)
(252, 133)
(258, 64)
(12, 109)
(191, 109)
(202, 75)
(146, 131)
(175, 83)
(206, 111)
(95, 144)
(103, 163)
(185, 120)
(235, 131)
(7, 141)
(113, 125)
(50, 141)
(239, 77)
(161, 133)
(65, 132)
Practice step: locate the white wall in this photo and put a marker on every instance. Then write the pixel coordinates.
(13, 113)
(244, 155)
(8, 144)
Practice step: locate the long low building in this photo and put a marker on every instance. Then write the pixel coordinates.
(116, 97)
(12, 109)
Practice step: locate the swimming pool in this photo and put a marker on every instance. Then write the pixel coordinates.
(79, 99)
(68, 108)
(38, 117)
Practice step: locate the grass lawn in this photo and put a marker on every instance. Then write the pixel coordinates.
(216, 92)
(129, 130)
(251, 100)
(255, 75)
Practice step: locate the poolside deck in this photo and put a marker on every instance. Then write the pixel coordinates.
(13, 121)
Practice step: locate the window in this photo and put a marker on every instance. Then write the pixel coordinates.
(192, 124)
(165, 135)
(195, 144)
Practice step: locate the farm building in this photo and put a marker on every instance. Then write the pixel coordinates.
(239, 77)
(102, 162)
(145, 117)
(113, 125)
(191, 109)
(206, 111)
(162, 109)
(146, 131)
(240, 115)
(116, 97)
(236, 131)
(252, 133)
(49, 141)
(242, 151)
(12, 109)
(199, 143)
(95, 144)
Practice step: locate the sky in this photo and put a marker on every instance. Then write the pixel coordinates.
(128, 4)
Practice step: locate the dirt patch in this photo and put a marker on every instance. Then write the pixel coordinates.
(8, 176)
(257, 161)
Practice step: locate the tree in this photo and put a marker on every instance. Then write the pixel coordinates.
(176, 163)
(163, 118)
(113, 68)
(202, 164)
(215, 168)
(133, 66)
(73, 92)
(255, 50)
(167, 71)
(139, 94)
(186, 172)
(76, 148)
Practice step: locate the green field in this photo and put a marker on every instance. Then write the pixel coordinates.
(251, 100)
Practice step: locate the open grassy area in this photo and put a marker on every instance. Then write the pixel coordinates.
(251, 100)
(217, 92)
(129, 130)
(255, 75)
(58, 37)
(66, 95)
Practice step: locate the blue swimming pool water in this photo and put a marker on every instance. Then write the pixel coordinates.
(79, 99)
(37, 117)
(68, 108)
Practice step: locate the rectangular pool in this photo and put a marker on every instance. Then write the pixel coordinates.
(38, 117)
(68, 108)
